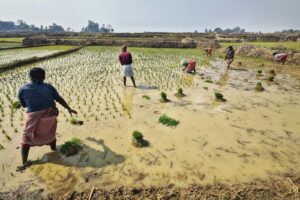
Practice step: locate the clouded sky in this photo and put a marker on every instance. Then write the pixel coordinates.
(157, 15)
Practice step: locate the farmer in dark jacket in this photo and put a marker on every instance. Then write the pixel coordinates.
(229, 56)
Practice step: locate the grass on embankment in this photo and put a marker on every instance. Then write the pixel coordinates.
(15, 40)
(295, 46)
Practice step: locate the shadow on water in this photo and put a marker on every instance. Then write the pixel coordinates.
(60, 173)
(87, 157)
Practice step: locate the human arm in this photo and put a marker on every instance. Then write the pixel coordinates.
(61, 101)
(21, 99)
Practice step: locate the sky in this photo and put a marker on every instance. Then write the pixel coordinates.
(157, 15)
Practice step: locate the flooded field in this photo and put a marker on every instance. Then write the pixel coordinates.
(250, 136)
(12, 55)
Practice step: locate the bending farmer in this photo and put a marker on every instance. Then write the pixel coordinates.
(190, 67)
(40, 125)
(279, 57)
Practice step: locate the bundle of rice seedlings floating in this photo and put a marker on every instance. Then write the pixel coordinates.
(168, 121)
(259, 87)
(164, 98)
(146, 97)
(16, 105)
(271, 78)
(75, 121)
(219, 97)
(138, 139)
(259, 72)
(209, 81)
(180, 93)
(272, 72)
(71, 147)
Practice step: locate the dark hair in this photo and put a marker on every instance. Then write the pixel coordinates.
(274, 53)
(124, 48)
(37, 75)
(230, 47)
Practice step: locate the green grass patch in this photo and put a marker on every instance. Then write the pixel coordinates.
(168, 121)
(16, 40)
(71, 147)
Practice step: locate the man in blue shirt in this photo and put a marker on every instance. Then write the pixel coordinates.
(40, 126)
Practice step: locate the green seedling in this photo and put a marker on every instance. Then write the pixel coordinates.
(259, 87)
(168, 121)
(164, 98)
(259, 72)
(209, 81)
(16, 105)
(76, 122)
(71, 147)
(180, 93)
(271, 78)
(219, 97)
(273, 72)
(138, 139)
(1, 147)
(146, 97)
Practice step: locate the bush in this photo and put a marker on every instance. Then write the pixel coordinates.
(71, 147)
(168, 121)
(219, 96)
(164, 98)
(180, 93)
(259, 87)
(138, 139)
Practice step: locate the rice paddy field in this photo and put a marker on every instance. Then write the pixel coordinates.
(12, 55)
(244, 136)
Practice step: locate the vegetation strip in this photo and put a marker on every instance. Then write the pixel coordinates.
(20, 63)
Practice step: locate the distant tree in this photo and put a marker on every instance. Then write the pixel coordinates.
(92, 27)
(56, 28)
(7, 26)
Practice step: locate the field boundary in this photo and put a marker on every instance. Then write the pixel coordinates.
(20, 63)
(25, 47)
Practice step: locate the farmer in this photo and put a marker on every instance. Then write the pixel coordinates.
(229, 56)
(125, 59)
(190, 67)
(279, 57)
(40, 125)
(209, 51)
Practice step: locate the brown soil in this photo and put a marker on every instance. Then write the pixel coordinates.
(287, 188)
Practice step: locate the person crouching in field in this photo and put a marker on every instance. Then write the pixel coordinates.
(40, 125)
(125, 59)
(229, 56)
(209, 51)
(279, 57)
(190, 67)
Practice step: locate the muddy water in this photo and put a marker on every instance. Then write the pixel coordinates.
(253, 135)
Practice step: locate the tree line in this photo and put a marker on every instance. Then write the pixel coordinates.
(21, 26)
